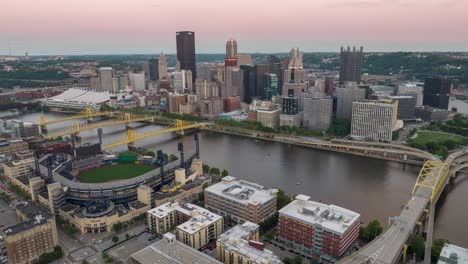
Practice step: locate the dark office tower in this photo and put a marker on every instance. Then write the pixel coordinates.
(290, 105)
(436, 92)
(250, 82)
(186, 51)
(329, 86)
(351, 65)
(260, 70)
(153, 69)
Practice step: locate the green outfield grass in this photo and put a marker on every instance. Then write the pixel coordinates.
(114, 172)
(423, 137)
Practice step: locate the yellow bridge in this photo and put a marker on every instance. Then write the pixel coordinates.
(433, 175)
(88, 113)
(132, 136)
(125, 118)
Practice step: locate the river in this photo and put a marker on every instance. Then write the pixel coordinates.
(371, 187)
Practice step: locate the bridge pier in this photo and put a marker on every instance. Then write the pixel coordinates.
(43, 130)
(180, 132)
(131, 146)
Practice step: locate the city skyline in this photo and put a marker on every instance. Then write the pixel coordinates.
(62, 28)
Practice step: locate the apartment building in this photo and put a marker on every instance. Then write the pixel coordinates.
(318, 229)
(241, 201)
(194, 226)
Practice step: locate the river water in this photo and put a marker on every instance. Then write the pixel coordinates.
(371, 187)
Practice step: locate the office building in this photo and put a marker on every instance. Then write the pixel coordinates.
(271, 86)
(431, 114)
(162, 66)
(234, 83)
(267, 112)
(206, 89)
(137, 81)
(374, 120)
(346, 95)
(23, 129)
(452, 254)
(406, 106)
(351, 65)
(170, 251)
(244, 59)
(412, 90)
(204, 70)
(145, 67)
(211, 107)
(294, 120)
(34, 236)
(16, 168)
(241, 245)
(183, 81)
(153, 69)
(318, 229)
(250, 82)
(260, 71)
(232, 104)
(10, 147)
(241, 201)
(194, 225)
(186, 51)
(318, 112)
(295, 72)
(329, 86)
(437, 92)
(106, 74)
(290, 105)
(231, 49)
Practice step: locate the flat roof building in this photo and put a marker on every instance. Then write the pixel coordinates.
(452, 254)
(195, 226)
(318, 229)
(240, 200)
(34, 236)
(240, 243)
(169, 250)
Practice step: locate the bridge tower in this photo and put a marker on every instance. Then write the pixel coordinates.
(179, 124)
(43, 124)
(131, 139)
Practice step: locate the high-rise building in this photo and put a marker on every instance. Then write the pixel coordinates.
(234, 83)
(318, 112)
(290, 105)
(183, 81)
(240, 200)
(231, 49)
(162, 66)
(206, 89)
(244, 59)
(351, 64)
(437, 92)
(260, 71)
(137, 81)
(374, 120)
(406, 106)
(412, 90)
(204, 70)
(210, 108)
(153, 69)
(250, 82)
(329, 86)
(145, 67)
(271, 85)
(314, 228)
(346, 95)
(106, 74)
(295, 72)
(34, 236)
(186, 51)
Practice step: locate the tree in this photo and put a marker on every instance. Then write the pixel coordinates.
(215, 171)
(84, 262)
(282, 199)
(224, 173)
(371, 231)
(115, 239)
(437, 246)
(416, 245)
(127, 236)
(206, 168)
(173, 157)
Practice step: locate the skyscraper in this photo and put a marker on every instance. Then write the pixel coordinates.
(436, 92)
(351, 65)
(346, 95)
(106, 74)
(153, 69)
(250, 81)
(186, 51)
(162, 66)
(295, 72)
(318, 111)
(231, 49)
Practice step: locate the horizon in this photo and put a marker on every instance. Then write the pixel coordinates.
(149, 26)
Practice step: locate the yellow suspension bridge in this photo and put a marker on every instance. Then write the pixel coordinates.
(125, 118)
(132, 136)
(88, 113)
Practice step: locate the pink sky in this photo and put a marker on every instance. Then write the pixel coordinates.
(148, 26)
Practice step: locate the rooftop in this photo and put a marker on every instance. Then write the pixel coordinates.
(201, 217)
(242, 191)
(452, 254)
(36, 214)
(331, 217)
(236, 239)
(170, 251)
